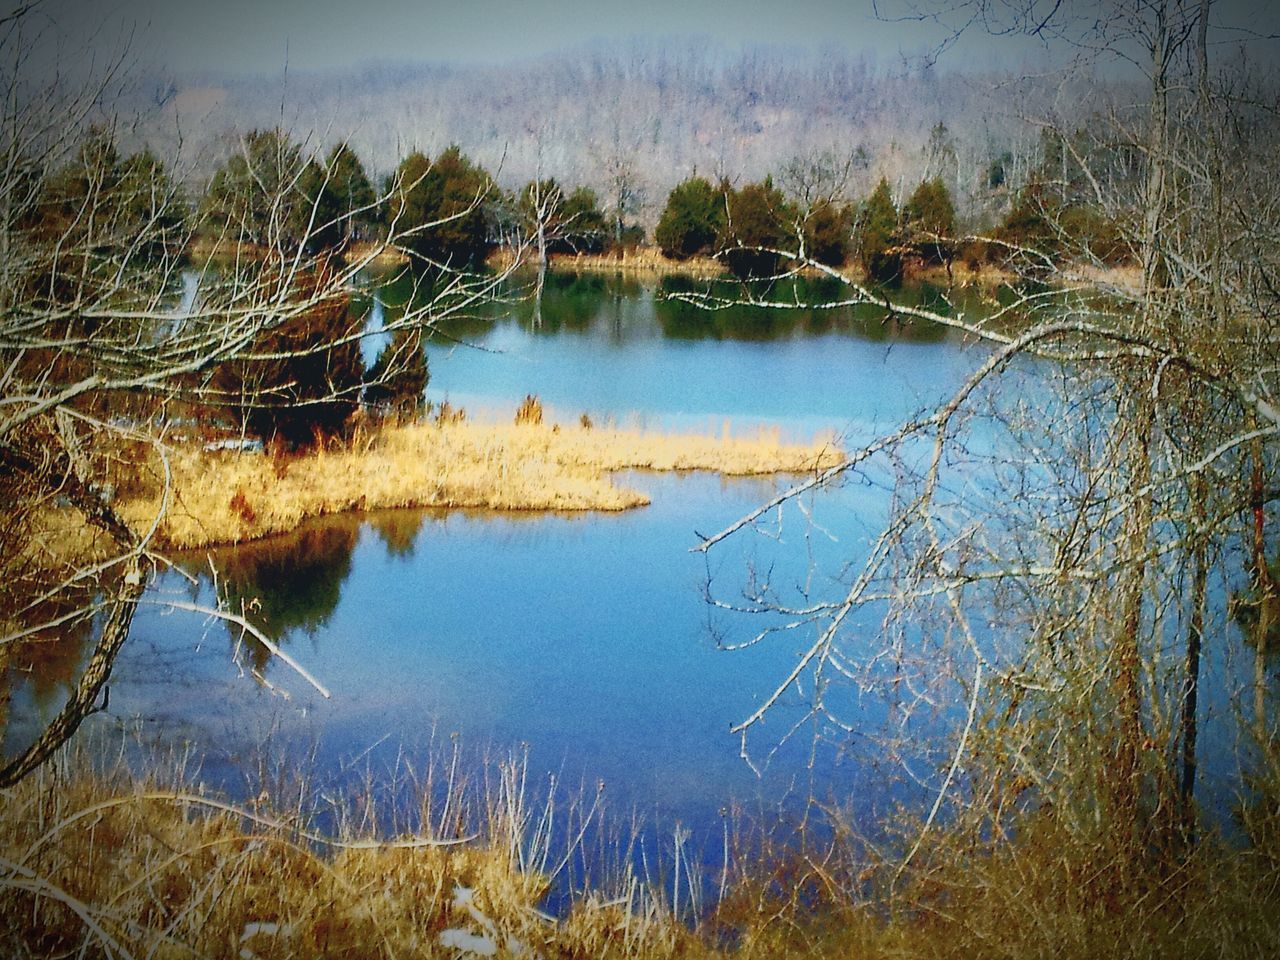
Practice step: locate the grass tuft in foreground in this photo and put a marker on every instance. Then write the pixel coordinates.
(106, 864)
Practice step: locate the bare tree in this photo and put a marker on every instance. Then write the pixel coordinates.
(617, 160)
(100, 352)
(1045, 565)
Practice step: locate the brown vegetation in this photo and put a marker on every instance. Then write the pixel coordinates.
(648, 261)
(635, 261)
(108, 864)
(114, 867)
(227, 497)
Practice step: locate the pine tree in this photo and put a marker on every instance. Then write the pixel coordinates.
(399, 376)
(758, 217)
(302, 378)
(930, 218)
(447, 203)
(254, 196)
(692, 219)
(876, 235)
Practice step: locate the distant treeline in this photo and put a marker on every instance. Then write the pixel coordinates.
(450, 210)
(271, 204)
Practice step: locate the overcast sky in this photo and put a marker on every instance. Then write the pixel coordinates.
(258, 36)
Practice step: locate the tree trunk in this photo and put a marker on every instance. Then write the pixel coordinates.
(1191, 665)
(1127, 669)
(542, 273)
(1264, 587)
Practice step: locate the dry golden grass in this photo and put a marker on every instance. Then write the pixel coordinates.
(962, 274)
(106, 865)
(60, 539)
(1126, 277)
(221, 497)
(378, 254)
(1050, 892)
(647, 261)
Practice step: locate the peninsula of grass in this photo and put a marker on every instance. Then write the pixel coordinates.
(229, 497)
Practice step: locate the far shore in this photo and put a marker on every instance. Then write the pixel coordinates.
(650, 262)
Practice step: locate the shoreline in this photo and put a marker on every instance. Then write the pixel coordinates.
(650, 262)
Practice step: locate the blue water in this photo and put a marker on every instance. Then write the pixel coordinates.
(583, 642)
(585, 638)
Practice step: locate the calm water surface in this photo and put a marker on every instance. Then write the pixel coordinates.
(584, 640)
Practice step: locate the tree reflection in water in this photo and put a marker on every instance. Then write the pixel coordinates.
(48, 660)
(397, 529)
(287, 585)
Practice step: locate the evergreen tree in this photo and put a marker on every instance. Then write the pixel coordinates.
(692, 219)
(827, 234)
(254, 195)
(107, 217)
(350, 185)
(302, 378)
(316, 215)
(930, 216)
(998, 171)
(876, 234)
(564, 223)
(1031, 221)
(80, 203)
(540, 206)
(337, 200)
(930, 209)
(584, 223)
(151, 204)
(758, 216)
(398, 378)
(447, 204)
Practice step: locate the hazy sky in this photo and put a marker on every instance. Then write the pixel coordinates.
(254, 35)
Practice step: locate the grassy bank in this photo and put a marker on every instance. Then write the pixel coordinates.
(643, 262)
(634, 262)
(226, 497)
(110, 864)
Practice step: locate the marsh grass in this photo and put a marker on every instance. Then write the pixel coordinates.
(636, 261)
(101, 863)
(1050, 892)
(97, 861)
(229, 497)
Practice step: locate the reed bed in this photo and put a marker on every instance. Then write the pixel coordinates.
(229, 497)
(107, 864)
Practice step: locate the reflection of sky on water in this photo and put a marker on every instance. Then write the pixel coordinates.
(614, 348)
(584, 637)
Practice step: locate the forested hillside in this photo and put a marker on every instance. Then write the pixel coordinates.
(645, 111)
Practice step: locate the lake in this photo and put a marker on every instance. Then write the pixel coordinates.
(582, 642)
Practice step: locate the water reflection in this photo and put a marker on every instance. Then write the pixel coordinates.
(40, 671)
(681, 320)
(622, 308)
(47, 661)
(287, 585)
(398, 530)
